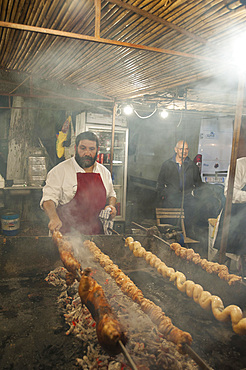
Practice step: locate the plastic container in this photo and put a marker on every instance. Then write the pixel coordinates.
(10, 222)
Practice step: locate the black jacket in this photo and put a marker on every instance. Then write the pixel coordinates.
(170, 182)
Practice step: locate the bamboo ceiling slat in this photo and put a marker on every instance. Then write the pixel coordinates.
(196, 16)
(28, 38)
(154, 18)
(175, 72)
(137, 62)
(158, 81)
(104, 41)
(116, 71)
(43, 41)
(152, 80)
(87, 75)
(214, 20)
(156, 86)
(143, 37)
(137, 30)
(139, 93)
(126, 24)
(3, 9)
(24, 9)
(7, 8)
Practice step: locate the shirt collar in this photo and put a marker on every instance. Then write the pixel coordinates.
(174, 159)
(80, 169)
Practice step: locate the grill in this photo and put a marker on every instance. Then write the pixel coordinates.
(33, 326)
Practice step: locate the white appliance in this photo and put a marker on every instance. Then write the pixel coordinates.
(215, 142)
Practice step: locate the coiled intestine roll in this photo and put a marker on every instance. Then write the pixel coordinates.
(205, 299)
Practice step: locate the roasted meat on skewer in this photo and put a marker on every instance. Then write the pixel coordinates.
(127, 286)
(109, 330)
(66, 254)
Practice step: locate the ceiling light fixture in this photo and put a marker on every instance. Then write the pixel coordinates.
(128, 110)
(164, 113)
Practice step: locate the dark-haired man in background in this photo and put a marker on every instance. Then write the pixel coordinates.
(77, 189)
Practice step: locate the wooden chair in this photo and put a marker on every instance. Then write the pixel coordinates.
(174, 213)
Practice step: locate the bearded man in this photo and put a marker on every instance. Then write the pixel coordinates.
(77, 189)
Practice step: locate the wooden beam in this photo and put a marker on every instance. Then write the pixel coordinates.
(58, 96)
(72, 35)
(11, 92)
(235, 142)
(97, 17)
(112, 139)
(157, 19)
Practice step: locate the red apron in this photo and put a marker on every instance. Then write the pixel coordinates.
(82, 212)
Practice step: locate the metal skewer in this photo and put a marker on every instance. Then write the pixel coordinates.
(127, 356)
(200, 362)
(116, 232)
(195, 357)
(123, 348)
(155, 236)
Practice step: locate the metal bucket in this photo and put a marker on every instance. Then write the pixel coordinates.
(37, 170)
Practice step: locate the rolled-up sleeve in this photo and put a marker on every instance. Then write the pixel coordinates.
(52, 189)
(110, 188)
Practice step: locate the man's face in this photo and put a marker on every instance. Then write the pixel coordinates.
(86, 153)
(181, 152)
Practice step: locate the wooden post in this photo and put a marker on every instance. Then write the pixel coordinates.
(97, 17)
(234, 152)
(20, 139)
(112, 139)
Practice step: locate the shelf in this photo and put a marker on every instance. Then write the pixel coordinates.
(109, 146)
(114, 164)
(23, 187)
(21, 190)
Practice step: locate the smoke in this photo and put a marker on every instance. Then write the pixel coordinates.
(81, 253)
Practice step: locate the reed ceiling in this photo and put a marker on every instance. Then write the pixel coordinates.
(82, 53)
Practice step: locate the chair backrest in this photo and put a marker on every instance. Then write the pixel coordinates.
(170, 213)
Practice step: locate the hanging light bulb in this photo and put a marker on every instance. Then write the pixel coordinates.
(163, 113)
(128, 109)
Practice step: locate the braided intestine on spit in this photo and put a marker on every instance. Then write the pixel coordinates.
(204, 298)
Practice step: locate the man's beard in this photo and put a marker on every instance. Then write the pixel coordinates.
(86, 161)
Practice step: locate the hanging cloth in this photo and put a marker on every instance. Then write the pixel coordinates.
(108, 224)
(61, 137)
(82, 212)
